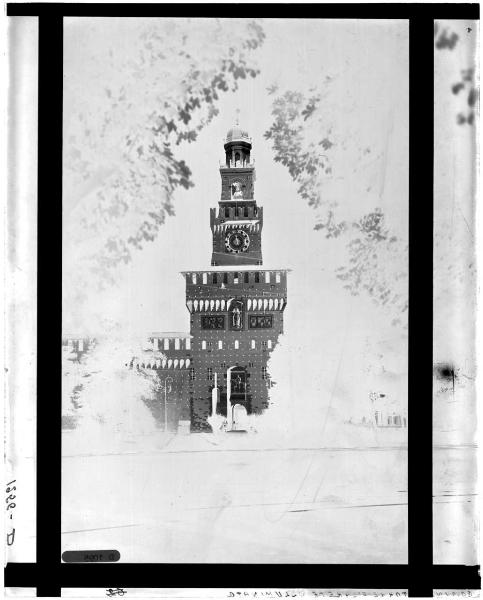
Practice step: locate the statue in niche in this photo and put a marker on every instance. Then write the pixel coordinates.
(236, 317)
(237, 190)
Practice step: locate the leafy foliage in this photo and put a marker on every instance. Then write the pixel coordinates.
(135, 89)
(290, 112)
(467, 85)
(322, 160)
(446, 40)
(443, 38)
(373, 256)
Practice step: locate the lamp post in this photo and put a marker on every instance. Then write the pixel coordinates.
(166, 387)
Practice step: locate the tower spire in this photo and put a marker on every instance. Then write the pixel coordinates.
(237, 120)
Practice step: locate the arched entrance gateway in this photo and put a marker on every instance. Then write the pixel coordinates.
(235, 394)
(238, 403)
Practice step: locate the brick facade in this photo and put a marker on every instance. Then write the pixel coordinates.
(243, 339)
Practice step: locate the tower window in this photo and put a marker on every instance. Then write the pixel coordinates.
(269, 344)
(225, 277)
(235, 278)
(215, 278)
(193, 278)
(277, 278)
(246, 277)
(203, 345)
(176, 344)
(166, 344)
(257, 277)
(209, 374)
(220, 345)
(237, 344)
(205, 278)
(253, 345)
(267, 276)
(188, 344)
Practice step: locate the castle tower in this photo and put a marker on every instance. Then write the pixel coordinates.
(236, 224)
(236, 308)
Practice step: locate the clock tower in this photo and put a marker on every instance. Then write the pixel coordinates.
(236, 310)
(236, 224)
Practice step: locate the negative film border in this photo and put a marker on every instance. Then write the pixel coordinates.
(420, 576)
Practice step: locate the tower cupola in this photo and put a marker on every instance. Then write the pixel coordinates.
(238, 145)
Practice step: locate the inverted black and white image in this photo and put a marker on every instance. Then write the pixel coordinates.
(235, 271)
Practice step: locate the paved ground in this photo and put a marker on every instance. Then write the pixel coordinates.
(208, 500)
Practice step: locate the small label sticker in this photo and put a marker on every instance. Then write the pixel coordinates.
(94, 556)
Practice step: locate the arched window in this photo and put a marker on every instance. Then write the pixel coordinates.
(188, 344)
(257, 277)
(205, 278)
(176, 344)
(269, 344)
(267, 276)
(245, 212)
(237, 159)
(193, 278)
(203, 345)
(253, 345)
(277, 277)
(235, 278)
(225, 277)
(215, 278)
(166, 344)
(246, 277)
(220, 345)
(237, 344)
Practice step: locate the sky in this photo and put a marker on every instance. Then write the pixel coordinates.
(289, 240)
(323, 322)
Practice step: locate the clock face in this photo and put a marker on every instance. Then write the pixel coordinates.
(237, 241)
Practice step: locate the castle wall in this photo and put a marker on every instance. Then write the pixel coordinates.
(217, 344)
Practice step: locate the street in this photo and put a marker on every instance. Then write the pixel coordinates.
(208, 499)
